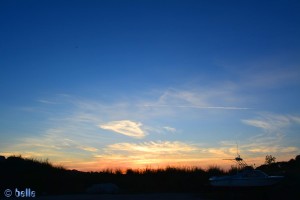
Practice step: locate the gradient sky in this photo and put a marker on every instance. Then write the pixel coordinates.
(132, 84)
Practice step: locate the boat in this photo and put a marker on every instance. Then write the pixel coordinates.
(246, 176)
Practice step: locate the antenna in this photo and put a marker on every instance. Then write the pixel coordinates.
(240, 162)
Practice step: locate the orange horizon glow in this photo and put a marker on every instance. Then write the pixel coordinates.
(92, 166)
(141, 162)
(202, 164)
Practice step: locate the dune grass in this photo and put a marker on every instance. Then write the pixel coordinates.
(46, 178)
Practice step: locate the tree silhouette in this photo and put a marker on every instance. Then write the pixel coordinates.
(270, 159)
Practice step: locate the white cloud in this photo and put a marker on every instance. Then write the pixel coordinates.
(274, 149)
(278, 76)
(266, 73)
(182, 97)
(163, 153)
(46, 101)
(90, 149)
(289, 149)
(271, 122)
(259, 124)
(157, 153)
(218, 98)
(125, 127)
(78, 133)
(199, 107)
(170, 129)
(296, 119)
(160, 147)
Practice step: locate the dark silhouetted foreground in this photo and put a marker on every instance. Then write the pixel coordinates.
(46, 179)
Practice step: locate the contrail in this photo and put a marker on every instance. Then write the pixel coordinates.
(201, 107)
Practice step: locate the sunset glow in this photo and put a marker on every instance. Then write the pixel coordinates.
(92, 85)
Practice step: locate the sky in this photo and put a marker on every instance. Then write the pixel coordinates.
(119, 84)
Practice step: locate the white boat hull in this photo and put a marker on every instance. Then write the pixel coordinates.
(246, 178)
(243, 182)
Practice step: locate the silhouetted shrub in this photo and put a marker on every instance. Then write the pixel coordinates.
(46, 178)
(215, 171)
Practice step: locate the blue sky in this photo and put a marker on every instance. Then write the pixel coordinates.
(97, 84)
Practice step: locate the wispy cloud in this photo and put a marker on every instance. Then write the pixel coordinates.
(274, 149)
(170, 129)
(163, 153)
(263, 143)
(157, 153)
(274, 137)
(221, 97)
(272, 77)
(80, 130)
(296, 119)
(260, 124)
(272, 122)
(199, 107)
(160, 147)
(125, 127)
(44, 101)
(87, 148)
(56, 144)
(265, 73)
